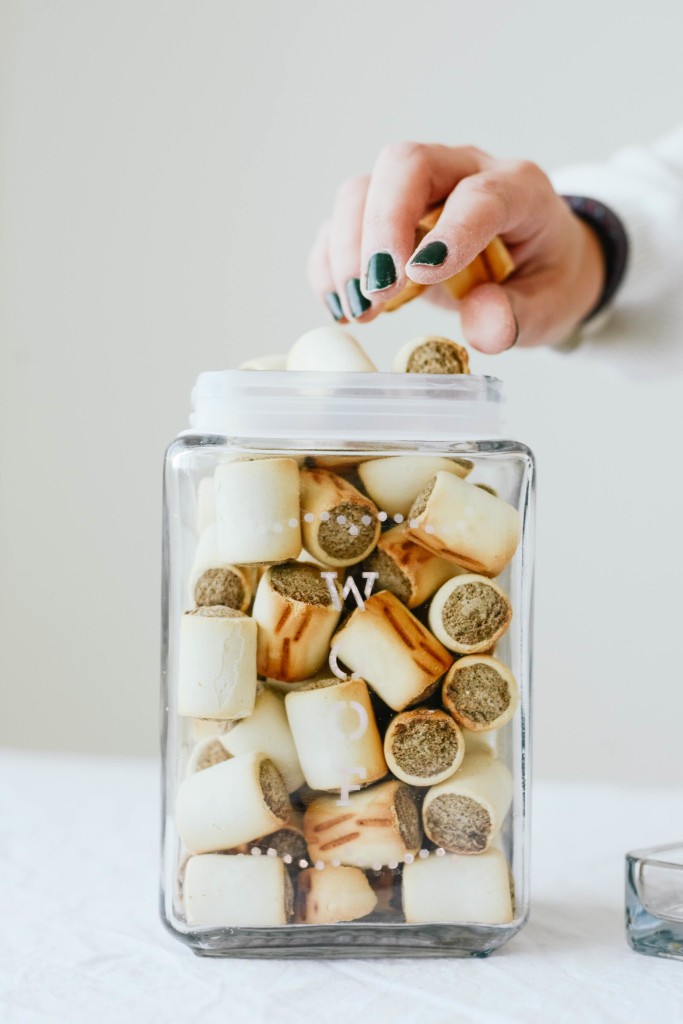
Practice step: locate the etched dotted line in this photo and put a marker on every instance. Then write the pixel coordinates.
(366, 520)
(319, 865)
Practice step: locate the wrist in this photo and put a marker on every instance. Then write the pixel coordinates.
(604, 227)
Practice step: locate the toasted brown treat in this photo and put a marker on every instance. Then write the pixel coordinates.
(387, 646)
(407, 569)
(464, 813)
(480, 693)
(296, 618)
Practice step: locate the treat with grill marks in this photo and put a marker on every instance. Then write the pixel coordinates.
(465, 812)
(340, 525)
(225, 891)
(423, 746)
(387, 646)
(333, 894)
(336, 735)
(217, 663)
(231, 803)
(406, 569)
(378, 826)
(296, 618)
(465, 524)
(480, 693)
(469, 614)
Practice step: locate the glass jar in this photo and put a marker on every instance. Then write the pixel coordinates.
(346, 667)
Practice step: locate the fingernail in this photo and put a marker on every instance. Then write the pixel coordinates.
(357, 301)
(433, 255)
(381, 272)
(334, 305)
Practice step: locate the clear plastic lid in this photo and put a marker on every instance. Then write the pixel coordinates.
(360, 406)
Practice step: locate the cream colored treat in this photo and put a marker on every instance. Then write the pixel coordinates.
(465, 524)
(469, 614)
(268, 362)
(340, 525)
(452, 889)
(296, 619)
(388, 647)
(423, 746)
(479, 742)
(222, 891)
(432, 354)
(215, 581)
(395, 482)
(480, 693)
(333, 894)
(217, 664)
(336, 463)
(257, 510)
(378, 826)
(206, 504)
(206, 753)
(329, 349)
(465, 812)
(336, 735)
(231, 803)
(267, 730)
(407, 569)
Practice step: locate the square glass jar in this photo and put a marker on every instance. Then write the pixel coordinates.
(346, 667)
(654, 900)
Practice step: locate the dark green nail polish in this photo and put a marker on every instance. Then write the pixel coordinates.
(334, 305)
(381, 272)
(357, 301)
(433, 255)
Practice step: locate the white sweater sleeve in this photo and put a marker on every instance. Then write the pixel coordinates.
(642, 331)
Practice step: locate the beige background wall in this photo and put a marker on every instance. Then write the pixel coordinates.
(163, 169)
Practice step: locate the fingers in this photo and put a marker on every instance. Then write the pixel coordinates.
(346, 229)
(319, 273)
(407, 179)
(523, 311)
(507, 198)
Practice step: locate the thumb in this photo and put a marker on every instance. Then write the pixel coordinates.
(497, 316)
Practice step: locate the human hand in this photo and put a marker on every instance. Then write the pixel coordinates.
(365, 254)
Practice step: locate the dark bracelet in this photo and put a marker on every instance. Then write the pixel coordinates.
(613, 239)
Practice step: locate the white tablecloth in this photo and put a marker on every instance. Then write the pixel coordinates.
(82, 940)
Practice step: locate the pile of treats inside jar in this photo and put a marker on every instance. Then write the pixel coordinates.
(339, 668)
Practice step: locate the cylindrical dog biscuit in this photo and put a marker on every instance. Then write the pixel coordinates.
(223, 891)
(480, 693)
(328, 348)
(267, 362)
(333, 894)
(378, 826)
(340, 525)
(469, 614)
(336, 735)
(432, 354)
(464, 524)
(267, 730)
(217, 664)
(394, 482)
(423, 746)
(231, 803)
(388, 647)
(214, 581)
(452, 889)
(465, 812)
(206, 753)
(296, 618)
(257, 510)
(407, 569)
